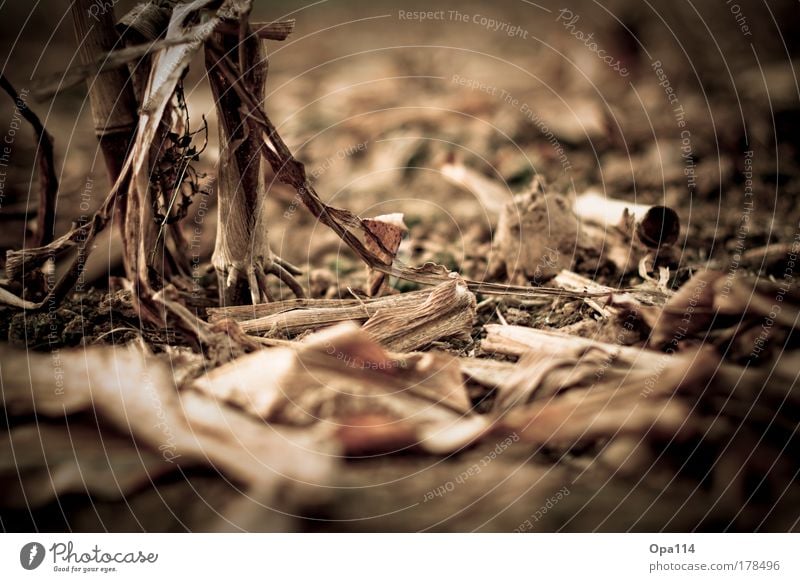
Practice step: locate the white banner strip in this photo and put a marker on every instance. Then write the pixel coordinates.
(399, 557)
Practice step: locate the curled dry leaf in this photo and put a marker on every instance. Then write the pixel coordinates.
(39, 463)
(389, 229)
(567, 390)
(341, 377)
(716, 300)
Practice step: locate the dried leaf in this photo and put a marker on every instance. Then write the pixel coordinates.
(389, 229)
(568, 390)
(41, 462)
(134, 393)
(341, 377)
(715, 300)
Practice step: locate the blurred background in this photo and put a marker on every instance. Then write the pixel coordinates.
(652, 101)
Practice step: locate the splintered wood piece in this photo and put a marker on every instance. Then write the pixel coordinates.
(402, 322)
(449, 311)
(293, 321)
(252, 312)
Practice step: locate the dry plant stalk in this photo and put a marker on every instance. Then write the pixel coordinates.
(625, 232)
(403, 322)
(111, 92)
(114, 114)
(242, 255)
(295, 316)
(448, 312)
(48, 181)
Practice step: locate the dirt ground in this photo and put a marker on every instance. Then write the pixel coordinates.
(694, 106)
